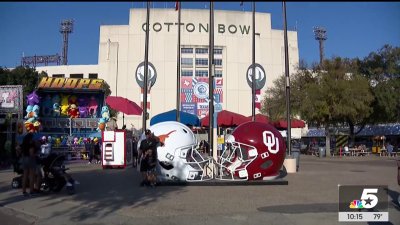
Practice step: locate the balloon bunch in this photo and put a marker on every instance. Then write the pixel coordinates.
(32, 123)
(105, 117)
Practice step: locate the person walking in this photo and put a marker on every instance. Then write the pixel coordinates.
(134, 151)
(150, 143)
(89, 148)
(29, 164)
(97, 150)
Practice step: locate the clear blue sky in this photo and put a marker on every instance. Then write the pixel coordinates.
(354, 29)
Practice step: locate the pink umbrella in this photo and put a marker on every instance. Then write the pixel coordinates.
(124, 105)
(294, 123)
(260, 118)
(226, 118)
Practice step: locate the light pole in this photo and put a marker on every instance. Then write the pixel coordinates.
(289, 135)
(320, 36)
(146, 68)
(253, 75)
(178, 66)
(211, 83)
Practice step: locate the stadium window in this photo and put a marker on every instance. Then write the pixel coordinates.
(58, 75)
(187, 73)
(187, 50)
(93, 76)
(187, 62)
(201, 62)
(201, 73)
(218, 73)
(201, 50)
(78, 75)
(217, 51)
(218, 62)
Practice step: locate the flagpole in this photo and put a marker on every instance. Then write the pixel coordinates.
(253, 74)
(178, 65)
(289, 135)
(211, 82)
(146, 68)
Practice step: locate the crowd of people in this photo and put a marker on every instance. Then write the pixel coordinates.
(92, 148)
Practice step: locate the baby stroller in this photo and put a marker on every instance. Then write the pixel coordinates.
(17, 181)
(55, 176)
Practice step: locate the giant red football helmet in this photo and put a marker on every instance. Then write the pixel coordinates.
(254, 151)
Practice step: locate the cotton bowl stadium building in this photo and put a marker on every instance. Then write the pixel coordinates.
(122, 50)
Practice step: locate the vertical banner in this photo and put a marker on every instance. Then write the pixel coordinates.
(258, 99)
(194, 94)
(148, 98)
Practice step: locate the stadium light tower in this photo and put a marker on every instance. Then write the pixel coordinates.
(66, 28)
(320, 36)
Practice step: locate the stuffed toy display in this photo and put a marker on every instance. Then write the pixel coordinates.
(83, 111)
(73, 111)
(92, 107)
(105, 117)
(72, 100)
(32, 124)
(47, 106)
(32, 98)
(56, 110)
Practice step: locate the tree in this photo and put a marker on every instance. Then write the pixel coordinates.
(382, 68)
(28, 78)
(274, 103)
(335, 95)
(25, 76)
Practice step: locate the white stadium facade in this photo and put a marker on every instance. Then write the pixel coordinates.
(122, 50)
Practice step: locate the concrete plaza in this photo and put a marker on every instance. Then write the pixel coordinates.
(114, 197)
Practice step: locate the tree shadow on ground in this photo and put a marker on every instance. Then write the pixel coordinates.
(99, 194)
(301, 208)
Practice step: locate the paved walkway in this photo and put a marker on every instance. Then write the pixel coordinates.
(114, 197)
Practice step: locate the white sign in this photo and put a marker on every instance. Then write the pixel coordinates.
(260, 76)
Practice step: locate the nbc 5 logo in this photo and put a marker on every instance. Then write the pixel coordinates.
(368, 199)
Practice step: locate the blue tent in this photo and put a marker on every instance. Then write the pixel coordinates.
(185, 118)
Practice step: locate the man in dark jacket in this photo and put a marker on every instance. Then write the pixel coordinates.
(150, 143)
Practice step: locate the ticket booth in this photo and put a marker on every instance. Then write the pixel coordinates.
(114, 154)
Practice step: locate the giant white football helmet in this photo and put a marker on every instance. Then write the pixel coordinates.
(178, 158)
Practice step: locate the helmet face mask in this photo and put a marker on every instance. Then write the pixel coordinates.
(234, 161)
